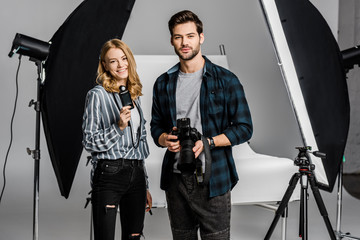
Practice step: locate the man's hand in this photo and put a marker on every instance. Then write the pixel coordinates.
(198, 148)
(170, 141)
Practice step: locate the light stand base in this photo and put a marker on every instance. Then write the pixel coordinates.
(339, 234)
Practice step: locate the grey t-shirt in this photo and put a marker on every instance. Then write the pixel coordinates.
(188, 101)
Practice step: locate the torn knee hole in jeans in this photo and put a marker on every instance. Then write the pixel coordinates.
(108, 207)
(135, 236)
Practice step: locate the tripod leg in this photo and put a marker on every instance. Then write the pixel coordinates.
(91, 224)
(321, 206)
(303, 223)
(283, 204)
(301, 214)
(305, 235)
(284, 224)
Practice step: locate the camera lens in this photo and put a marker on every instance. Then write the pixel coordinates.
(187, 158)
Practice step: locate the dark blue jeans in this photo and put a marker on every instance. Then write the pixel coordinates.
(118, 183)
(190, 208)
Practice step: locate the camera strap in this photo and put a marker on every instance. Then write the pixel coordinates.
(201, 178)
(199, 171)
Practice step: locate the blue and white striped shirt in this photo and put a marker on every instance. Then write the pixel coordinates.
(102, 135)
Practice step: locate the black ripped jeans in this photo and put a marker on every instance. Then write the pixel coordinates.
(118, 183)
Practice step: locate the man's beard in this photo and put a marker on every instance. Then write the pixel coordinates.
(194, 52)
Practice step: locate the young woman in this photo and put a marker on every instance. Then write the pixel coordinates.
(115, 136)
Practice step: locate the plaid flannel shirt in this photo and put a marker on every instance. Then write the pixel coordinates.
(223, 109)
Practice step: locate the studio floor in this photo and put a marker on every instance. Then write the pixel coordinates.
(248, 222)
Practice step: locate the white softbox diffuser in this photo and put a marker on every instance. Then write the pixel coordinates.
(311, 65)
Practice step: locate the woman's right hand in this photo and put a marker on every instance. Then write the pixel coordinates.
(125, 116)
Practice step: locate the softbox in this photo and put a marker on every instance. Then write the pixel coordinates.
(70, 72)
(312, 69)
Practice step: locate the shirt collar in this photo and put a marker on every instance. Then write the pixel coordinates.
(175, 69)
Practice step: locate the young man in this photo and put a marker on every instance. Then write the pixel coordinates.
(214, 101)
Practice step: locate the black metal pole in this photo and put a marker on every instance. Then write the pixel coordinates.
(339, 234)
(304, 207)
(36, 153)
(301, 216)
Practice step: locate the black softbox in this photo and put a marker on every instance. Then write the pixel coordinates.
(313, 71)
(70, 72)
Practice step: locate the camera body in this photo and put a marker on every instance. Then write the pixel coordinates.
(187, 137)
(125, 97)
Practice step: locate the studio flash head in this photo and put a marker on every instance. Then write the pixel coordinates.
(28, 46)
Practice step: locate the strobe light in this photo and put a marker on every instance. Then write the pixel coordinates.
(28, 46)
(351, 57)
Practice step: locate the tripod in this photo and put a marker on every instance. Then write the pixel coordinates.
(306, 176)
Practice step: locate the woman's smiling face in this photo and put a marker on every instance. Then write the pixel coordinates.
(116, 63)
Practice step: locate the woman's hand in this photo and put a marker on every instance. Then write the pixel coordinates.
(125, 116)
(148, 204)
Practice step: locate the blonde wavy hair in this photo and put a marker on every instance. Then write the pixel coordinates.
(104, 77)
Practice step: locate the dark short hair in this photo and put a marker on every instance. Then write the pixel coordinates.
(184, 17)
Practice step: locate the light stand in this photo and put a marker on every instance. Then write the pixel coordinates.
(338, 232)
(36, 152)
(306, 176)
(37, 51)
(350, 57)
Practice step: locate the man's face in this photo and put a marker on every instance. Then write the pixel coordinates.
(186, 40)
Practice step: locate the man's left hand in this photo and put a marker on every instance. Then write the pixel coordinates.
(198, 148)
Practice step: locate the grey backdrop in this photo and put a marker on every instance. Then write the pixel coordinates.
(239, 25)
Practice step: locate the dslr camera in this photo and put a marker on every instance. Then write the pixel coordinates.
(187, 137)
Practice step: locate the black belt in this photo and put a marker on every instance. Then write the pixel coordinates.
(124, 162)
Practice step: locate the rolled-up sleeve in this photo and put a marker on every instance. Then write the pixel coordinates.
(240, 126)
